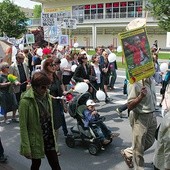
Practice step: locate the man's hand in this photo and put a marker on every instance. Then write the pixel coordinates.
(143, 92)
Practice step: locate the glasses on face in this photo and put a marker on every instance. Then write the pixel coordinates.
(85, 58)
(52, 65)
(7, 67)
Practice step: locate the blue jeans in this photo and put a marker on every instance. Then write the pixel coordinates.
(102, 131)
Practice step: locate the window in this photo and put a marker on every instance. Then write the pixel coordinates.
(108, 10)
(123, 9)
(87, 12)
(131, 12)
(93, 11)
(100, 11)
(78, 13)
(116, 10)
(138, 11)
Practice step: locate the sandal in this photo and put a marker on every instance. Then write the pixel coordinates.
(114, 135)
(128, 161)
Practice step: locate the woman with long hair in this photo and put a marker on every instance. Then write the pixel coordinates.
(56, 90)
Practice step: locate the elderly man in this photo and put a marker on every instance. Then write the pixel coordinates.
(21, 71)
(141, 103)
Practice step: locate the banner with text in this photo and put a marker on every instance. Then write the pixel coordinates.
(48, 19)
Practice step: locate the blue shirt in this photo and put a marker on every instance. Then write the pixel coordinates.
(89, 118)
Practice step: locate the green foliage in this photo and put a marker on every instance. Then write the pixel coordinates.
(37, 11)
(160, 9)
(12, 20)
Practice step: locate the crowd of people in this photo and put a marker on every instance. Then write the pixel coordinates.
(39, 80)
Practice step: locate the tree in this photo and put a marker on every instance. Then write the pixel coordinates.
(160, 9)
(12, 20)
(37, 11)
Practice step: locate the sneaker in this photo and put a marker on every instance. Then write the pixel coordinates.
(106, 141)
(108, 100)
(119, 112)
(58, 153)
(16, 120)
(3, 158)
(160, 105)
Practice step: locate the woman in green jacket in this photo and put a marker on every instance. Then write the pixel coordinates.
(36, 124)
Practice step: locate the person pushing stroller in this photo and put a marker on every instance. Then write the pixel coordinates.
(92, 119)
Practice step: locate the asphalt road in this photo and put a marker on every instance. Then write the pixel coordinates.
(78, 158)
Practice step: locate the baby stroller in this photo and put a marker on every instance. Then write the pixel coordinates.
(79, 133)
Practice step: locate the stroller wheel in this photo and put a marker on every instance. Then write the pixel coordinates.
(93, 149)
(70, 142)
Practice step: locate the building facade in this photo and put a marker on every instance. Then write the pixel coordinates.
(99, 23)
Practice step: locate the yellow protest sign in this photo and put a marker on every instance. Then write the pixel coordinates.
(136, 50)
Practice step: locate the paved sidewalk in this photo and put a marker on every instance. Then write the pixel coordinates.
(4, 166)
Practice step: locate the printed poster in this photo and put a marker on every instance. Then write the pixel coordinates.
(63, 40)
(30, 39)
(51, 34)
(136, 51)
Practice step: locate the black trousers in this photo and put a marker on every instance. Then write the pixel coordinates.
(52, 160)
(156, 168)
(1, 148)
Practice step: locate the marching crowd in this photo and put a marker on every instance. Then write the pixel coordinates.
(39, 79)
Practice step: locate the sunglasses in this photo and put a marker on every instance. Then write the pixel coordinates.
(52, 65)
(85, 58)
(7, 67)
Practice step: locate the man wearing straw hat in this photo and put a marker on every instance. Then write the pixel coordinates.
(141, 104)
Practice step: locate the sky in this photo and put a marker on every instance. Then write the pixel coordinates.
(24, 3)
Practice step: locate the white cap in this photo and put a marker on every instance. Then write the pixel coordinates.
(90, 103)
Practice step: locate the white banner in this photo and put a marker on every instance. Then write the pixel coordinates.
(48, 19)
(51, 34)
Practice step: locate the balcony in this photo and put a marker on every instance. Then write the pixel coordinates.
(116, 18)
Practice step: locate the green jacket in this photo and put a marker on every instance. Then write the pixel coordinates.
(30, 127)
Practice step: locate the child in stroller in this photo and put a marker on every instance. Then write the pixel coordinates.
(92, 119)
(82, 133)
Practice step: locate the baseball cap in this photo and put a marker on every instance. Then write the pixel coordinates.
(90, 103)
